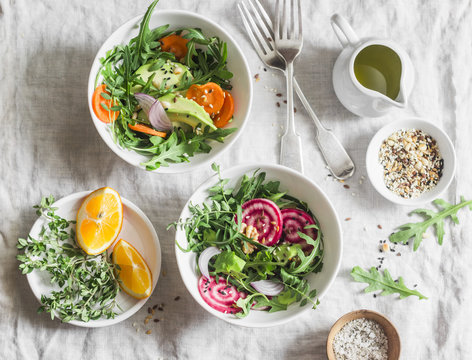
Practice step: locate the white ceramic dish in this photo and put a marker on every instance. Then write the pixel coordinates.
(375, 169)
(304, 189)
(237, 64)
(136, 229)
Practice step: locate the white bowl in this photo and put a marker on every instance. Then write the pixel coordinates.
(446, 150)
(136, 229)
(237, 64)
(302, 188)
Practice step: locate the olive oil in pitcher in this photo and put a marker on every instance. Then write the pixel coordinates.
(379, 68)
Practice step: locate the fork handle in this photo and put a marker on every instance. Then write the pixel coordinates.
(338, 160)
(291, 144)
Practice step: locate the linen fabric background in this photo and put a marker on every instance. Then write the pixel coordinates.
(50, 146)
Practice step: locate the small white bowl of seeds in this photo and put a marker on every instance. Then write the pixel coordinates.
(410, 162)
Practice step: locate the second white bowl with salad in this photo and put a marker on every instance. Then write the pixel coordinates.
(272, 266)
(191, 122)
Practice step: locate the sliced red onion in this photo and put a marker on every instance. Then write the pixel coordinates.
(268, 287)
(155, 112)
(205, 257)
(145, 101)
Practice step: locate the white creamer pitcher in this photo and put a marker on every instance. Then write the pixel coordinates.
(388, 82)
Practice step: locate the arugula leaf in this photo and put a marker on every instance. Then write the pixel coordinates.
(435, 219)
(384, 282)
(263, 263)
(307, 262)
(179, 147)
(228, 262)
(142, 37)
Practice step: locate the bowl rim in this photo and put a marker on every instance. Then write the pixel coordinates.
(243, 169)
(74, 197)
(371, 156)
(359, 314)
(172, 168)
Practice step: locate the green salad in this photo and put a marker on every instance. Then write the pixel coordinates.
(255, 245)
(166, 93)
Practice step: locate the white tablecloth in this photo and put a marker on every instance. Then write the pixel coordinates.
(49, 145)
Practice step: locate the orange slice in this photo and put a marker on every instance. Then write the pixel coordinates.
(134, 275)
(99, 220)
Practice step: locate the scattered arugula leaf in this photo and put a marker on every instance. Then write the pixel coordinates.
(433, 218)
(87, 284)
(384, 282)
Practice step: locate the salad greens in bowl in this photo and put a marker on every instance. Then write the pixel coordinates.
(169, 91)
(257, 245)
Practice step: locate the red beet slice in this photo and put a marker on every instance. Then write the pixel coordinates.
(221, 296)
(266, 217)
(295, 220)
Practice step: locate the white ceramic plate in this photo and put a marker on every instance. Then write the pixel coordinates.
(375, 169)
(302, 188)
(237, 64)
(137, 230)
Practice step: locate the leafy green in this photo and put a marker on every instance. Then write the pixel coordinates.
(142, 41)
(384, 282)
(87, 284)
(213, 224)
(228, 262)
(307, 263)
(207, 60)
(433, 218)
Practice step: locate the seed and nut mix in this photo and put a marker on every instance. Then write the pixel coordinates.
(411, 161)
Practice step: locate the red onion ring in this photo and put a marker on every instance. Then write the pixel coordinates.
(155, 112)
(205, 257)
(268, 287)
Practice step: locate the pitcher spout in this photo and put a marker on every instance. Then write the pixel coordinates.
(401, 99)
(383, 103)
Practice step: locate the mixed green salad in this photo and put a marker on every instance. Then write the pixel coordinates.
(255, 245)
(166, 93)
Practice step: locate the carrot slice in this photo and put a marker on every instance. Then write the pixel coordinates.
(146, 130)
(99, 105)
(175, 44)
(210, 96)
(226, 112)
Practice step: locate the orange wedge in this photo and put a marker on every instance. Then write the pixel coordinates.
(99, 220)
(134, 275)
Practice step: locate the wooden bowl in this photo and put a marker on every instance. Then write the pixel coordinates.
(391, 332)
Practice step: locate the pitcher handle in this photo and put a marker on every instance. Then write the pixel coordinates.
(343, 31)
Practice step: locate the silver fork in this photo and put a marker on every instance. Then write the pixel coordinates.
(259, 28)
(288, 38)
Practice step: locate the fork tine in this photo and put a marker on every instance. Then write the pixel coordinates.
(260, 44)
(284, 20)
(300, 30)
(277, 29)
(262, 25)
(292, 20)
(265, 16)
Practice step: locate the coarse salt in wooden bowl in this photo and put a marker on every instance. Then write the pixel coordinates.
(394, 345)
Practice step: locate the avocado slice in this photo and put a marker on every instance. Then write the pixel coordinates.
(186, 111)
(170, 72)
